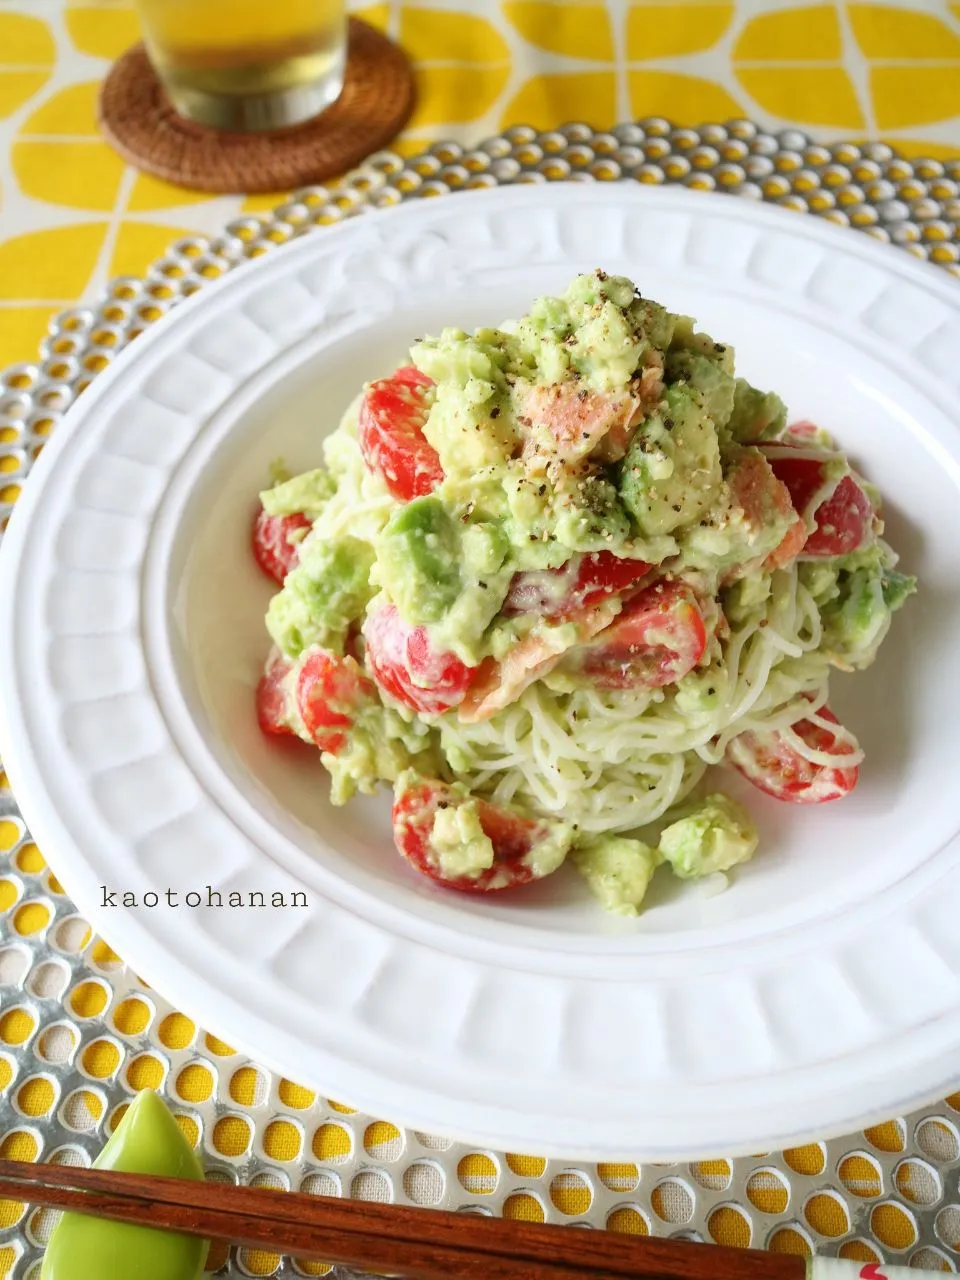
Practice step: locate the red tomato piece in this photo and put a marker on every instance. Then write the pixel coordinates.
(271, 698)
(275, 548)
(805, 478)
(330, 690)
(844, 521)
(843, 517)
(513, 836)
(581, 582)
(769, 761)
(390, 431)
(406, 665)
(656, 639)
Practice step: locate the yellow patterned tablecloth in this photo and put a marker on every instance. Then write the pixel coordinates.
(72, 214)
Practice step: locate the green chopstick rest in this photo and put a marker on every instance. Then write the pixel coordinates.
(147, 1140)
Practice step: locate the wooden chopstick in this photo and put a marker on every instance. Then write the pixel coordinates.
(418, 1244)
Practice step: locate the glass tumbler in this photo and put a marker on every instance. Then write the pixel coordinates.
(247, 64)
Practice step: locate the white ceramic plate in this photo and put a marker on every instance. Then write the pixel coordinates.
(820, 992)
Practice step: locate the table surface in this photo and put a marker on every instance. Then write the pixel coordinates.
(79, 1031)
(72, 215)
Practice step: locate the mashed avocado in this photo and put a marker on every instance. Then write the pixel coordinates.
(712, 834)
(458, 841)
(755, 415)
(326, 591)
(618, 871)
(671, 473)
(628, 460)
(599, 331)
(378, 749)
(308, 493)
(857, 596)
(548, 854)
(459, 848)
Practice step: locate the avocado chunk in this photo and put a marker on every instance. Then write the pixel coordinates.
(671, 473)
(745, 596)
(685, 337)
(820, 579)
(599, 331)
(461, 848)
(897, 587)
(617, 870)
(857, 617)
(459, 843)
(857, 620)
(707, 376)
(444, 573)
(708, 835)
(590, 515)
(654, 321)
(470, 423)
(484, 547)
(757, 415)
(308, 493)
(380, 744)
(419, 556)
(322, 595)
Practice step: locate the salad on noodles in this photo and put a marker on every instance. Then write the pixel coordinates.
(548, 574)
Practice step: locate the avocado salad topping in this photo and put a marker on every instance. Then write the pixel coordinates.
(548, 574)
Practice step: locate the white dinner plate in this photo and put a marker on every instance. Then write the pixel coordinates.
(820, 992)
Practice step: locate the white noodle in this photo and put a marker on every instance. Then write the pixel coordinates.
(617, 759)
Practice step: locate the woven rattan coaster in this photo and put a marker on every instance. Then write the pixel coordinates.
(139, 121)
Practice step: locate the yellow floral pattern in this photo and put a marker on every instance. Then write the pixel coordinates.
(72, 214)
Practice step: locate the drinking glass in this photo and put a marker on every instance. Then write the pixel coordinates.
(247, 64)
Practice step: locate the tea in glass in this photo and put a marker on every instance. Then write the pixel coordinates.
(247, 64)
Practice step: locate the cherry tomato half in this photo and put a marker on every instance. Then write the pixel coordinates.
(844, 521)
(271, 698)
(390, 431)
(804, 477)
(844, 517)
(512, 835)
(330, 690)
(406, 665)
(275, 549)
(769, 761)
(655, 640)
(583, 581)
